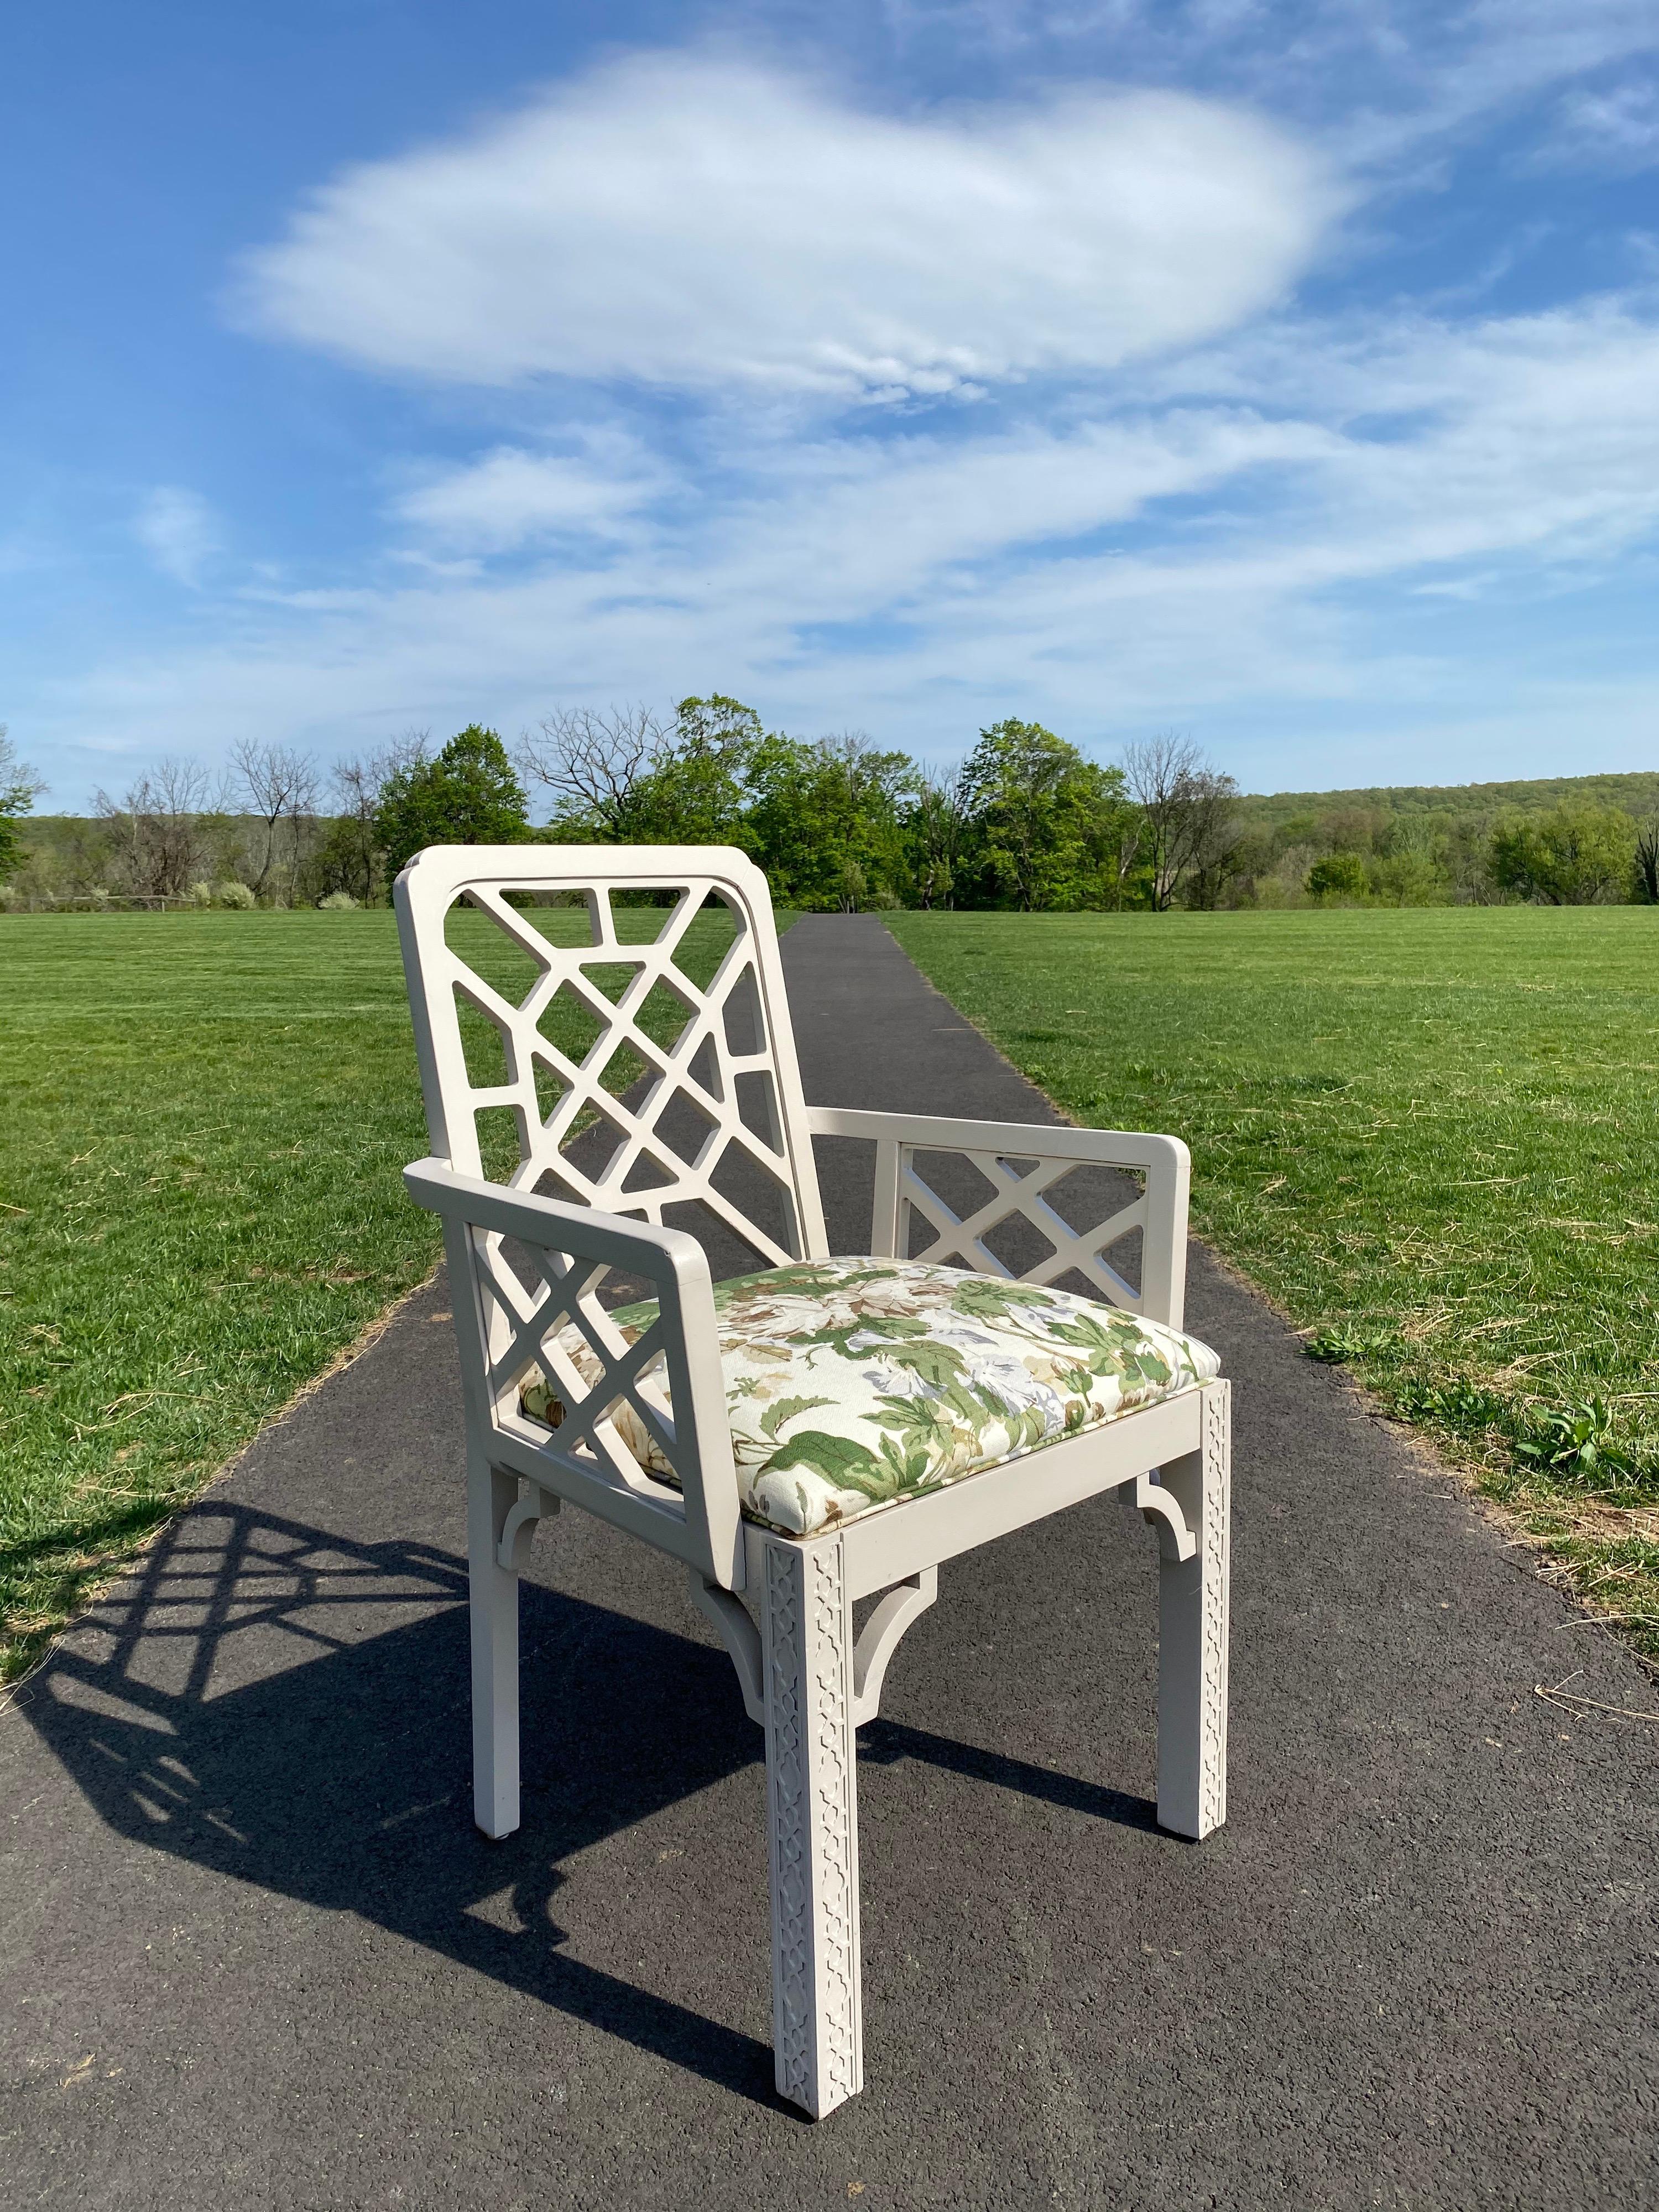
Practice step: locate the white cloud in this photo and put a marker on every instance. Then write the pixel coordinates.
(177, 529)
(697, 223)
(511, 498)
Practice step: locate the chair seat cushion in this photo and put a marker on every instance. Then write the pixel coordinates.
(856, 1383)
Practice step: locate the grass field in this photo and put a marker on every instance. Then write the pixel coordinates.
(200, 1203)
(1432, 1136)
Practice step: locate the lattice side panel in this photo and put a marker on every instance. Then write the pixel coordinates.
(610, 1413)
(959, 1240)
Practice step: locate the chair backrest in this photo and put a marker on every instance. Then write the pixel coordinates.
(608, 1024)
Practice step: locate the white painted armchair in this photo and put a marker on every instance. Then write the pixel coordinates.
(822, 1429)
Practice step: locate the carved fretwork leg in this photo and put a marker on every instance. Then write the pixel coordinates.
(812, 1796)
(1192, 1671)
(493, 1593)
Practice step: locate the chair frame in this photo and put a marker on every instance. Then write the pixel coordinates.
(805, 1676)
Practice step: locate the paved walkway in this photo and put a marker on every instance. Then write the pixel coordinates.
(255, 1954)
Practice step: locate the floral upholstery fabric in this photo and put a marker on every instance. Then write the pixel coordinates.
(853, 1384)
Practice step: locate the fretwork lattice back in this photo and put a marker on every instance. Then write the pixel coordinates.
(712, 1117)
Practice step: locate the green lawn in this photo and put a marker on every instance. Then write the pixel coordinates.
(200, 1202)
(1432, 1136)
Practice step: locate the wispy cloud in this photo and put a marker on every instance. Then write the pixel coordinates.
(511, 497)
(178, 530)
(1611, 128)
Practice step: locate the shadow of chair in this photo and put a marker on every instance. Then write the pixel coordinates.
(289, 1708)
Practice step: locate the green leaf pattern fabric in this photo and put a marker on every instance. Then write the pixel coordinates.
(853, 1384)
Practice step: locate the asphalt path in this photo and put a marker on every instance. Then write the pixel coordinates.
(255, 1954)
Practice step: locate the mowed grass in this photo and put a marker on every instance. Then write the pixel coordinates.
(1431, 1136)
(206, 1118)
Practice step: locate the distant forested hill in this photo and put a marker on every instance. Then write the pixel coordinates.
(1638, 795)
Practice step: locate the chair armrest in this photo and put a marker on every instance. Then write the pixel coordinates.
(501, 1323)
(1160, 1213)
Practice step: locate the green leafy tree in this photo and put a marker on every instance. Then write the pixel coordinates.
(826, 821)
(469, 795)
(1119, 845)
(1049, 827)
(1018, 782)
(693, 789)
(1647, 862)
(936, 839)
(842, 823)
(1409, 879)
(1339, 875)
(1573, 856)
(19, 787)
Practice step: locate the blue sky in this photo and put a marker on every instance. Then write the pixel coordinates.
(1285, 374)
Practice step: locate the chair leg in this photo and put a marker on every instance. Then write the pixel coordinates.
(493, 1598)
(812, 1796)
(1192, 1669)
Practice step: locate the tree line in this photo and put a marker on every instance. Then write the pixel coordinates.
(1025, 822)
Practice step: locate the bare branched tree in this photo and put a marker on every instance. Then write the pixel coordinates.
(1156, 772)
(351, 853)
(159, 823)
(1188, 808)
(1213, 833)
(412, 750)
(279, 787)
(304, 828)
(351, 858)
(591, 759)
(357, 788)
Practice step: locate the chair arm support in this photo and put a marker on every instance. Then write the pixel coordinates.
(1164, 1161)
(676, 1268)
